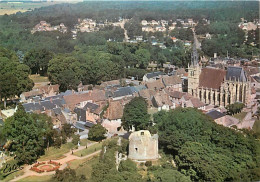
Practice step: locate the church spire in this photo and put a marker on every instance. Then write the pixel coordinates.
(194, 55)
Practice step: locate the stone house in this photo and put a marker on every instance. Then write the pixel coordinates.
(162, 101)
(148, 77)
(174, 83)
(112, 116)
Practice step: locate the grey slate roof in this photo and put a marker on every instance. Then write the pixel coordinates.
(81, 114)
(48, 105)
(123, 91)
(30, 107)
(154, 74)
(43, 105)
(215, 114)
(90, 106)
(57, 111)
(236, 73)
(83, 125)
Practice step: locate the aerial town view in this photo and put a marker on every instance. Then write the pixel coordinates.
(135, 91)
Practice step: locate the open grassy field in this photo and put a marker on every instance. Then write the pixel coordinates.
(14, 7)
(240, 116)
(36, 178)
(38, 78)
(84, 167)
(13, 175)
(93, 148)
(57, 153)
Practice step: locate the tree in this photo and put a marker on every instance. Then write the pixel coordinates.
(75, 139)
(13, 76)
(167, 175)
(97, 132)
(136, 115)
(67, 175)
(26, 136)
(143, 57)
(65, 71)
(234, 108)
(38, 60)
(232, 153)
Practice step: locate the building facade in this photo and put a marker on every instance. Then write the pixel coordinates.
(217, 87)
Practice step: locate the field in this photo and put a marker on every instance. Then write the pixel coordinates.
(56, 153)
(14, 7)
(36, 178)
(240, 116)
(84, 167)
(89, 150)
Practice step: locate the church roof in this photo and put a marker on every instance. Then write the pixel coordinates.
(211, 78)
(236, 73)
(215, 114)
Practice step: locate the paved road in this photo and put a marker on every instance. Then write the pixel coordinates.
(122, 25)
(68, 157)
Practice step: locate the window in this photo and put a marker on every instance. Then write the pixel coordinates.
(142, 133)
(136, 149)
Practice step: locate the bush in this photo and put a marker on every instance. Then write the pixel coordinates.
(148, 163)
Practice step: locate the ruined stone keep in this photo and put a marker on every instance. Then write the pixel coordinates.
(143, 146)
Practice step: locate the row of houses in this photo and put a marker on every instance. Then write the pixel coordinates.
(163, 25)
(43, 26)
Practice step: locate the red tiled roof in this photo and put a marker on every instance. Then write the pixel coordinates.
(95, 96)
(197, 103)
(155, 85)
(211, 78)
(171, 80)
(114, 110)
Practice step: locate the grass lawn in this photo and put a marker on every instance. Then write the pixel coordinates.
(38, 78)
(57, 153)
(89, 150)
(240, 116)
(256, 127)
(85, 141)
(13, 175)
(84, 167)
(11, 8)
(36, 178)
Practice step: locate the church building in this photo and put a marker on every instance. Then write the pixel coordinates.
(219, 87)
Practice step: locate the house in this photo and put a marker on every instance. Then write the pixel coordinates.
(155, 85)
(144, 23)
(123, 92)
(28, 96)
(112, 116)
(162, 101)
(152, 76)
(147, 94)
(195, 103)
(222, 119)
(76, 98)
(49, 90)
(173, 82)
